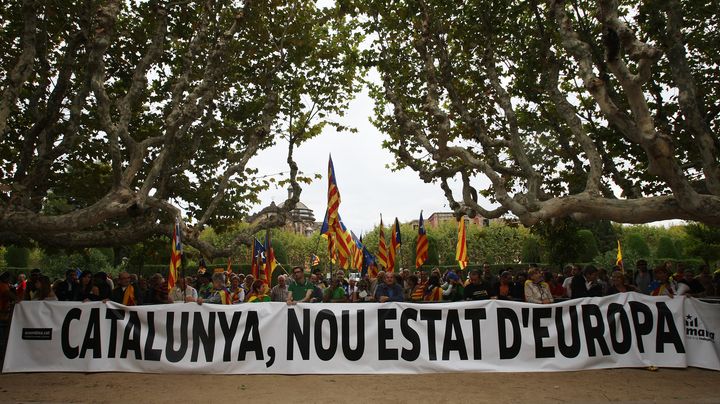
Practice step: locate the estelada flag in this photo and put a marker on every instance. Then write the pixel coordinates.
(257, 260)
(395, 243)
(421, 247)
(382, 256)
(314, 260)
(270, 262)
(461, 250)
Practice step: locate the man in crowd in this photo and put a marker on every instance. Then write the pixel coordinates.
(643, 277)
(125, 293)
(570, 272)
(389, 291)
(301, 290)
(335, 293)
(586, 285)
(279, 292)
(476, 289)
(488, 278)
(67, 290)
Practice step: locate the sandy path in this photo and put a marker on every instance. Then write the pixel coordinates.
(619, 385)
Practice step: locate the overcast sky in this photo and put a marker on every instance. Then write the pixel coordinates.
(367, 187)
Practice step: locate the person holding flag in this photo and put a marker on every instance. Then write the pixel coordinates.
(219, 293)
(421, 247)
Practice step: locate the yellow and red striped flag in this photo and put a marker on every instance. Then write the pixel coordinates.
(394, 245)
(461, 250)
(175, 256)
(421, 247)
(619, 260)
(382, 256)
(342, 243)
(357, 260)
(270, 262)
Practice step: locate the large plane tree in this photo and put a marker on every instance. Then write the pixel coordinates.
(587, 109)
(118, 117)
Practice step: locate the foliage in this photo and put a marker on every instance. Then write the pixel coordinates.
(704, 242)
(666, 249)
(531, 251)
(635, 244)
(16, 256)
(587, 246)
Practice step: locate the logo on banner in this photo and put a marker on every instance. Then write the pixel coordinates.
(37, 334)
(694, 331)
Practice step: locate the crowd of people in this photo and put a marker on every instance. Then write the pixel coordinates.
(224, 287)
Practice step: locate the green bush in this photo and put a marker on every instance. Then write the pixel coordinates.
(17, 256)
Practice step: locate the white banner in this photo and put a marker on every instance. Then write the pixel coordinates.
(702, 322)
(625, 330)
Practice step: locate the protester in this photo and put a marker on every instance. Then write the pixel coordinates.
(453, 288)
(433, 291)
(518, 288)
(618, 284)
(301, 290)
(7, 296)
(663, 285)
(536, 290)
(101, 287)
(204, 285)
(157, 292)
(219, 293)
(411, 284)
(126, 293)
(247, 285)
(43, 289)
(258, 294)
(556, 288)
(389, 291)
(279, 292)
(68, 289)
(585, 284)
(643, 277)
(335, 292)
(419, 291)
(20, 287)
(237, 293)
(694, 287)
(488, 278)
(504, 288)
(183, 292)
(477, 289)
(571, 271)
(362, 294)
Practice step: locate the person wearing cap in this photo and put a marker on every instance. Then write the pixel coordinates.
(453, 288)
(477, 289)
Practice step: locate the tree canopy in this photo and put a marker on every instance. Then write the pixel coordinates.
(116, 116)
(593, 110)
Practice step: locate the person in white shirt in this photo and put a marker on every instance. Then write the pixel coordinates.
(183, 292)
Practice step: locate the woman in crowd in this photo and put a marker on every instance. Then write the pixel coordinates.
(44, 289)
(258, 294)
(84, 291)
(101, 288)
(536, 290)
(662, 285)
(556, 288)
(504, 288)
(411, 283)
(237, 293)
(157, 292)
(618, 284)
(247, 286)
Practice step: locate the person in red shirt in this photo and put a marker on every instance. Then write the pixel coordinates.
(556, 288)
(21, 287)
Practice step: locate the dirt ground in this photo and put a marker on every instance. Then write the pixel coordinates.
(618, 385)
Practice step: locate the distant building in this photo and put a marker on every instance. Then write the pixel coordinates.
(436, 218)
(301, 220)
